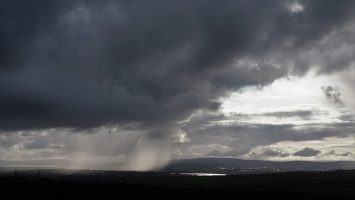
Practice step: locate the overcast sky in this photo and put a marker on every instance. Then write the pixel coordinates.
(143, 82)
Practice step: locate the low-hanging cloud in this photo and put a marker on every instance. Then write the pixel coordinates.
(271, 153)
(307, 152)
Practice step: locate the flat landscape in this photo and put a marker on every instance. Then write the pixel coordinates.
(163, 185)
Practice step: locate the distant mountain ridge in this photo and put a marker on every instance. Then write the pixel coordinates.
(232, 164)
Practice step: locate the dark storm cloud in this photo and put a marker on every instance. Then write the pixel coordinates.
(21, 21)
(307, 152)
(84, 64)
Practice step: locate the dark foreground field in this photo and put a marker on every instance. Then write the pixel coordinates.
(290, 185)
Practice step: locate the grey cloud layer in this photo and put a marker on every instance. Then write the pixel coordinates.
(84, 64)
(307, 152)
(236, 138)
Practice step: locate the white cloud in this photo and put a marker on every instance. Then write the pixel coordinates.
(289, 94)
(330, 148)
(296, 7)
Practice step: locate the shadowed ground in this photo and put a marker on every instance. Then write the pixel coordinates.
(156, 185)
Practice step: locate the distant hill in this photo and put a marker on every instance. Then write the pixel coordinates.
(235, 165)
(198, 165)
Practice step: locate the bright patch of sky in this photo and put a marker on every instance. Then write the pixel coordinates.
(296, 7)
(331, 148)
(291, 94)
